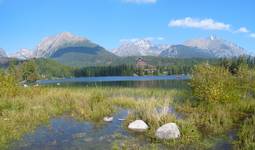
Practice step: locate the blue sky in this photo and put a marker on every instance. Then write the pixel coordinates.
(24, 23)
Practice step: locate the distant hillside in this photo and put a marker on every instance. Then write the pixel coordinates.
(84, 56)
(2, 53)
(140, 47)
(72, 50)
(161, 61)
(182, 51)
(195, 48)
(49, 68)
(216, 46)
(4, 61)
(68, 49)
(23, 54)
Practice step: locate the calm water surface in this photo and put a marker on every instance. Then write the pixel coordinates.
(68, 133)
(173, 81)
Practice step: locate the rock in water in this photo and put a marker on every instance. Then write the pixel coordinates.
(79, 135)
(108, 119)
(168, 131)
(138, 125)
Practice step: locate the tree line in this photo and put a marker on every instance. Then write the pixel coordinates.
(34, 69)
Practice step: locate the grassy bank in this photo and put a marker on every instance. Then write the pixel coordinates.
(200, 124)
(217, 103)
(33, 106)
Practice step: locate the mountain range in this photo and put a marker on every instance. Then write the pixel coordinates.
(73, 50)
(68, 49)
(211, 47)
(217, 47)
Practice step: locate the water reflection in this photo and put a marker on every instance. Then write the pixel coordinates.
(66, 133)
(172, 81)
(170, 84)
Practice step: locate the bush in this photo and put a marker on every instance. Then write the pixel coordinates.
(8, 85)
(213, 84)
(246, 135)
(246, 81)
(95, 108)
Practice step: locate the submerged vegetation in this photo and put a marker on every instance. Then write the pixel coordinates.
(220, 100)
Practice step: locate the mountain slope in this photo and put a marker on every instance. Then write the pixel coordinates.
(204, 48)
(140, 47)
(23, 54)
(217, 46)
(182, 51)
(2, 53)
(72, 50)
(83, 56)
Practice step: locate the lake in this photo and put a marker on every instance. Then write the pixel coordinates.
(170, 81)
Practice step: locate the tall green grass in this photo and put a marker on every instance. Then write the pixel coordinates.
(33, 106)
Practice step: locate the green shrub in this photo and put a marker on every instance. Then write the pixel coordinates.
(246, 135)
(94, 108)
(213, 84)
(8, 85)
(246, 81)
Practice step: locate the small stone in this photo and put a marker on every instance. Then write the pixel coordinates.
(53, 142)
(138, 125)
(88, 139)
(6, 119)
(108, 119)
(101, 138)
(79, 135)
(168, 131)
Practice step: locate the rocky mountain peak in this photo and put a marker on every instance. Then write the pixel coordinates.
(50, 44)
(138, 47)
(217, 46)
(23, 54)
(2, 53)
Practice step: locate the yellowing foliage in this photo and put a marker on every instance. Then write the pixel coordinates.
(213, 84)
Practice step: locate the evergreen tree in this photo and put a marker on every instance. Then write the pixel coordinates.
(29, 71)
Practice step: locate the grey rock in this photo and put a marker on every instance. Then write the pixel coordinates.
(138, 125)
(168, 131)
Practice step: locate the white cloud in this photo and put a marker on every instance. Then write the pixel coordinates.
(252, 35)
(242, 30)
(207, 24)
(140, 1)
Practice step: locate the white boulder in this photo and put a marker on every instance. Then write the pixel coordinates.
(108, 119)
(168, 131)
(138, 125)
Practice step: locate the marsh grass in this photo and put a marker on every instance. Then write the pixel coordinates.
(202, 122)
(246, 135)
(34, 106)
(155, 112)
